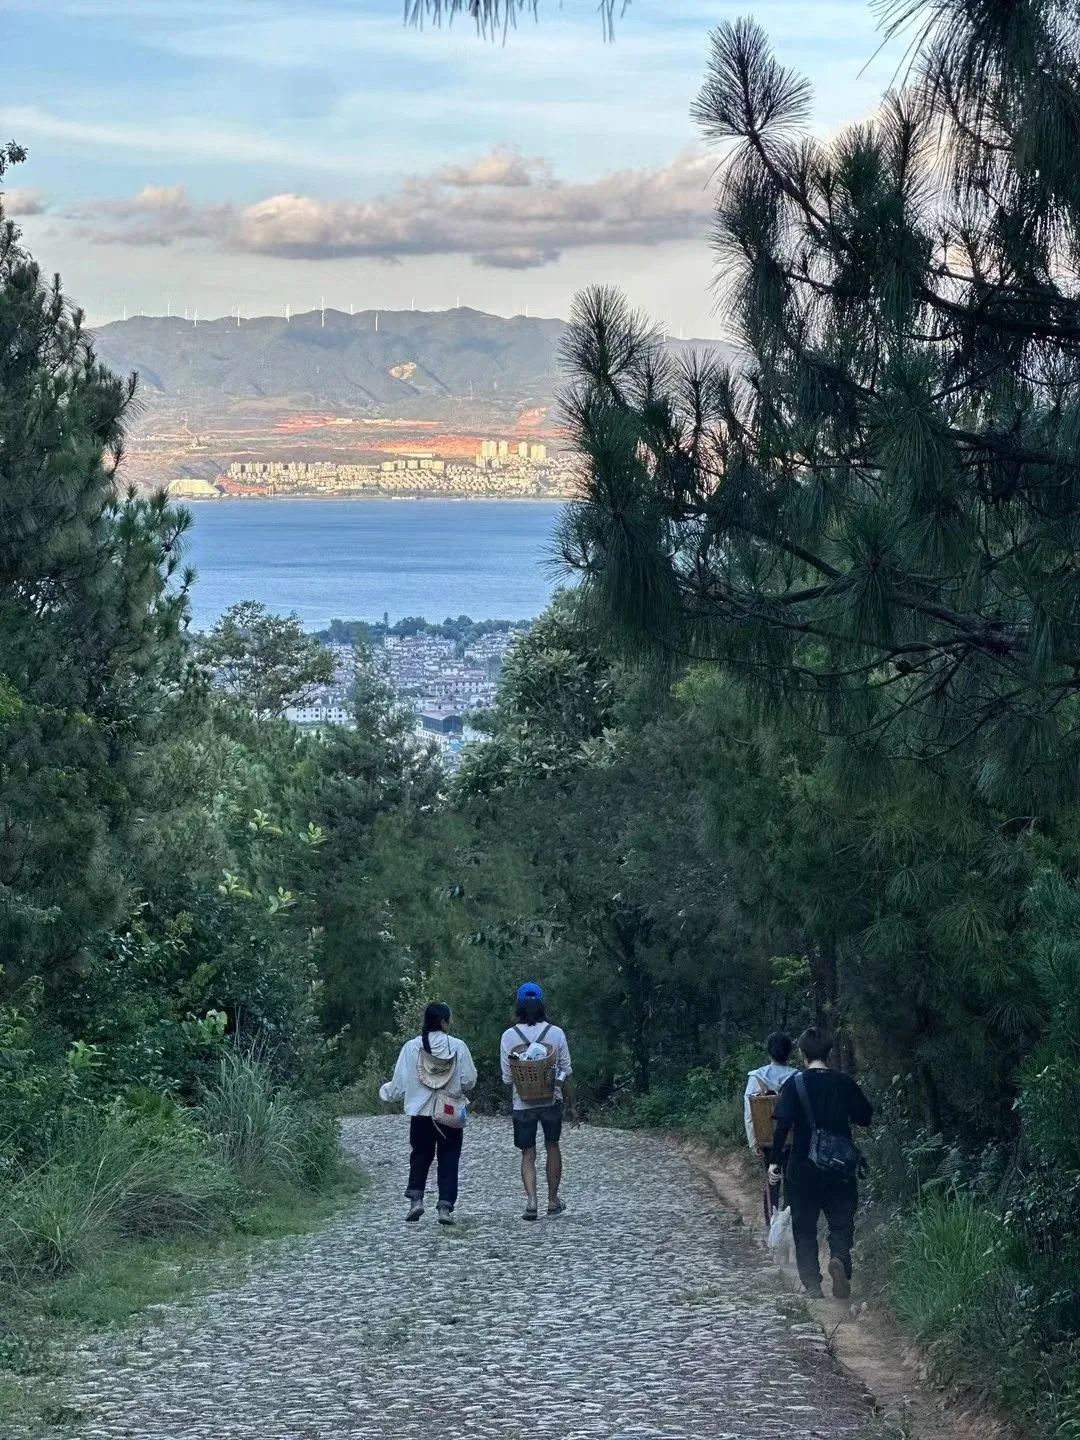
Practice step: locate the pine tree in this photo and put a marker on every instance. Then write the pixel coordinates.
(86, 620)
(876, 513)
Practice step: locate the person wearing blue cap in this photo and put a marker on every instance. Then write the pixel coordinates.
(536, 1065)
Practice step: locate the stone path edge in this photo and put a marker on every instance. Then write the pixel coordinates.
(867, 1343)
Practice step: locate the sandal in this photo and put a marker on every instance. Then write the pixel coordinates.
(530, 1212)
(557, 1208)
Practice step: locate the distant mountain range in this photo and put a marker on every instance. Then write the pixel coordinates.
(385, 362)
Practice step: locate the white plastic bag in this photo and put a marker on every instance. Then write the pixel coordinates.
(779, 1238)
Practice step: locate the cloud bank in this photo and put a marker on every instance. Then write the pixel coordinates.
(504, 210)
(23, 202)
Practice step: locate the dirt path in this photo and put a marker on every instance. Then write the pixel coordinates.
(644, 1313)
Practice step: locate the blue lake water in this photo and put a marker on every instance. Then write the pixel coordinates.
(356, 559)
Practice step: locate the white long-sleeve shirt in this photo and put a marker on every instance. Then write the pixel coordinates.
(405, 1084)
(761, 1081)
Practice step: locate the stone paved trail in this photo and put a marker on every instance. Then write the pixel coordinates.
(644, 1313)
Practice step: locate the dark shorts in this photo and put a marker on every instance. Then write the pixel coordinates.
(547, 1117)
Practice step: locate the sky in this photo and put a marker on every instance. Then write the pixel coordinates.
(253, 154)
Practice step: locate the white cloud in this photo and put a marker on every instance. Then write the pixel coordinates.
(506, 168)
(23, 202)
(501, 210)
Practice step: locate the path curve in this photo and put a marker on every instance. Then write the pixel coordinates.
(644, 1313)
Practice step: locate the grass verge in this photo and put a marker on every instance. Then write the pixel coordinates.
(129, 1208)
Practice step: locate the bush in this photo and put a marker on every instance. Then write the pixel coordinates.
(109, 1176)
(703, 1102)
(958, 1281)
(262, 1133)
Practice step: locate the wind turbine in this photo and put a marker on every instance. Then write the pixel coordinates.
(376, 322)
(288, 317)
(322, 309)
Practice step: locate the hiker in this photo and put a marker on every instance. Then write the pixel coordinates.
(433, 1072)
(767, 1080)
(818, 1106)
(536, 1064)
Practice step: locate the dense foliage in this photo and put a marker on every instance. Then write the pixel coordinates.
(801, 746)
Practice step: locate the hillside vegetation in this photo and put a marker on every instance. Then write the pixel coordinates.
(803, 744)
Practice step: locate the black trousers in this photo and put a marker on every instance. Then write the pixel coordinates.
(428, 1140)
(811, 1195)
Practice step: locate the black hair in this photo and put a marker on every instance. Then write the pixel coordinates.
(434, 1016)
(779, 1046)
(530, 1011)
(815, 1044)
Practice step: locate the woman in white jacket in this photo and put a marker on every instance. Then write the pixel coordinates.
(429, 1057)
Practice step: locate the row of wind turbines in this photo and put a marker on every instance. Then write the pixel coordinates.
(192, 317)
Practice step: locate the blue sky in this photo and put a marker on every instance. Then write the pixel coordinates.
(262, 152)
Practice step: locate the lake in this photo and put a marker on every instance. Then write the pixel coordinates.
(356, 559)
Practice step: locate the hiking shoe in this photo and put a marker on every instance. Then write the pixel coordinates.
(416, 1209)
(530, 1212)
(814, 1292)
(446, 1215)
(841, 1281)
(557, 1208)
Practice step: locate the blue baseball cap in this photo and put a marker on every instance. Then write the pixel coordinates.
(530, 991)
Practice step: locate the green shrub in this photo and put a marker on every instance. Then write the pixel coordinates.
(108, 1177)
(263, 1134)
(955, 1281)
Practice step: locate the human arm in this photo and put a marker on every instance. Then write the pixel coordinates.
(783, 1119)
(859, 1107)
(394, 1089)
(748, 1118)
(563, 1072)
(466, 1067)
(504, 1060)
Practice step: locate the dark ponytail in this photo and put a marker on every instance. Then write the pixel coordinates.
(434, 1016)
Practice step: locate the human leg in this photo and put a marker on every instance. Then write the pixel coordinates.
(449, 1151)
(551, 1123)
(526, 1123)
(422, 1141)
(805, 1203)
(840, 1201)
(771, 1198)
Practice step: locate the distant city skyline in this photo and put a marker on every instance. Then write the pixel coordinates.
(211, 154)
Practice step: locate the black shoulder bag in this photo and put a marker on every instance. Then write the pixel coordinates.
(829, 1152)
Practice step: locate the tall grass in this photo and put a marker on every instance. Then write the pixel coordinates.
(113, 1176)
(263, 1134)
(109, 1177)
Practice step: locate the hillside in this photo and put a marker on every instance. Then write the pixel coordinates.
(412, 355)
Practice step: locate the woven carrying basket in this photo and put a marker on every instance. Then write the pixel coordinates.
(761, 1117)
(534, 1080)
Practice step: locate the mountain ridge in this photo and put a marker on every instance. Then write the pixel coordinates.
(334, 358)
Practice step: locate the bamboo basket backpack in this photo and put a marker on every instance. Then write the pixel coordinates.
(534, 1080)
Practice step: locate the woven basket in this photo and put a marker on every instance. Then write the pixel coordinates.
(761, 1117)
(534, 1080)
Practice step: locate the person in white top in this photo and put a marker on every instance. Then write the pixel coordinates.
(531, 1027)
(433, 1050)
(767, 1080)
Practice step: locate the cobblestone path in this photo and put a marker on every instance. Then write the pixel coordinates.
(643, 1313)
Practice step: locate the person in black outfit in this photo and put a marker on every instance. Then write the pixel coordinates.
(836, 1103)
